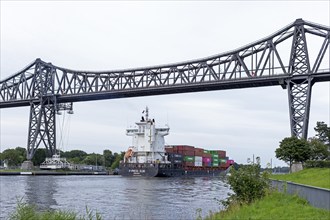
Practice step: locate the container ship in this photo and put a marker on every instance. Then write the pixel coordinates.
(150, 157)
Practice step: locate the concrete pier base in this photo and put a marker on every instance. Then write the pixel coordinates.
(27, 165)
(296, 167)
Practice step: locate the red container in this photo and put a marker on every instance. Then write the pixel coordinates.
(188, 164)
(207, 164)
(169, 149)
(223, 165)
(199, 153)
(207, 155)
(184, 147)
(222, 153)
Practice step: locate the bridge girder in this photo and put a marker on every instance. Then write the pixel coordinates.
(44, 86)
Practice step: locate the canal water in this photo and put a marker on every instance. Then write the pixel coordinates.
(116, 197)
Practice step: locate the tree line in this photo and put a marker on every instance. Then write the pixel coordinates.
(16, 156)
(314, 152)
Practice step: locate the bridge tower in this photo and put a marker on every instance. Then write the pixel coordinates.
(300, 91)
(42, 122)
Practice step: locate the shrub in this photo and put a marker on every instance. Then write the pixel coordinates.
(248, 184)
(317, 163)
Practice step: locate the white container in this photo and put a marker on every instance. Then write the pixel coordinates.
(198, 159)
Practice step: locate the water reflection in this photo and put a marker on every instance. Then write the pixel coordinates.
(40, 191)
(116, 197)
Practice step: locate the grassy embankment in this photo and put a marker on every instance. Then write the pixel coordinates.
(274, 206)
(319, 177)
(277, 205)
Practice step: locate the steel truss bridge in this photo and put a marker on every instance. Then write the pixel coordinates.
(47, 88)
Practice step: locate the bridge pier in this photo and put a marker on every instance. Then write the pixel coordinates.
(27, 165)
(299, 96)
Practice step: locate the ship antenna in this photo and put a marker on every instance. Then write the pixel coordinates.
(147, 113)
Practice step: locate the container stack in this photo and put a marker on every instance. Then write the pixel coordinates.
(191, 156)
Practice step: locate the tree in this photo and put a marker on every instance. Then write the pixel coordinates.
(78, 154)
(93, 159)
(118, 158)
(39, 156)
(319, 151)
(108, 158)
(323, 133)
(12, 156)
(292, 149)
(22, 151)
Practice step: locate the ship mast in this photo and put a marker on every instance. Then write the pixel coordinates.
(147, 113)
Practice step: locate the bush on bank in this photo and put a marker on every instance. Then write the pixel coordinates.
(317, 163)
(248, 184)
(26, 211)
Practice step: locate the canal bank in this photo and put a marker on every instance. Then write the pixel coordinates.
(50, 173)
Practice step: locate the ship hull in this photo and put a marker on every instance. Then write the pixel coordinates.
(157, 170)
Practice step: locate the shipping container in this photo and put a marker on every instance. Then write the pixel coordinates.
(207, 159)
(190, 164)
(215, 160)
(222, 153)
(230, 162)
(172, 156)
(198, 159)
(213, 152)
(223, 165)
(184, 147)
(223, 161)
(207, 164)
(215, 164)
(215, 156)
(199, 153)
(188, 159)
(186, 152)
(198, 164)
(207, 155)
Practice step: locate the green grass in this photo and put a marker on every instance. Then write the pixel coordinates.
(14, 170)
(273, 206)
(319, 177)
(26, 211)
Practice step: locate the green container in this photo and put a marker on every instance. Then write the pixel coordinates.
(215, 156)
(215, 164)
(188, 159)
(223, 161)
(215, 160)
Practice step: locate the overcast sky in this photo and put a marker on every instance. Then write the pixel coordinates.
(104, 35)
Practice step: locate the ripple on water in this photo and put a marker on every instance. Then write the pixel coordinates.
(116, 197)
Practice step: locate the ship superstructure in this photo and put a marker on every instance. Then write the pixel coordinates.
(148, 144)
(148, 156)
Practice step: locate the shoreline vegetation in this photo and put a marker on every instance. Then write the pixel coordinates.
(277, 205)
(272, 205)
(26, 211)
